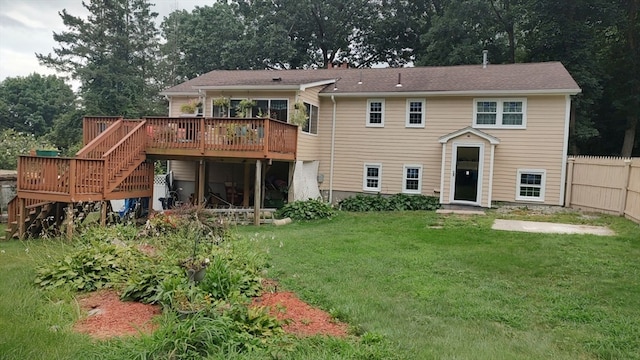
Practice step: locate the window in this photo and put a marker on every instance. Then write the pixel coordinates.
(375, 113)
(530, 185)
(372, 177)
(500, 113)
(415, 113)
(311, 127)
(412, 179)
(274, 109)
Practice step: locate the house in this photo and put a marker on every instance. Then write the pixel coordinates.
(472, 135)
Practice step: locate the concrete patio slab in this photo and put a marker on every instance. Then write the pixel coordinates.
(552, 228)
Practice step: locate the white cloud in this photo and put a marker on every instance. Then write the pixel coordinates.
(27, 27)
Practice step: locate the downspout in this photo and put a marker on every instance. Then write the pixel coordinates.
(333, 144)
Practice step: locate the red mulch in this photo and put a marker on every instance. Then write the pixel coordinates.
(301, 319)
(112, 317)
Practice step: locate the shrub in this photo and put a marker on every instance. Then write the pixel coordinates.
(91, 267)
(397, 202)
(306, 210)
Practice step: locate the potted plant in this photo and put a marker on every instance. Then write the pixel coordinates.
(299, 116)
(222, 104)
(47, 151)
(196, 267)
(243, 109)
(190, 108)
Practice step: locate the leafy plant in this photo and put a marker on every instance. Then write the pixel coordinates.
(397, 202)
(299, 116)
(243, 109)
(89, 268)
(306, 210)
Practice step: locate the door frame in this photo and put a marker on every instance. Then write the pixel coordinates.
(454, 160)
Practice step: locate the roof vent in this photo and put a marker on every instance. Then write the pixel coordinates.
(276, 79)
(399, 84)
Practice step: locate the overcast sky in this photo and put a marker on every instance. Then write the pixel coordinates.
(27, 26)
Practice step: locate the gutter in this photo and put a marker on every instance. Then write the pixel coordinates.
(333, 145)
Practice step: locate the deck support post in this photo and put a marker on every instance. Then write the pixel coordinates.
(103, 213)
(246, 189)
(70, 217)
(257, 193)
(22, 218)
(201, 180)
(290, 184)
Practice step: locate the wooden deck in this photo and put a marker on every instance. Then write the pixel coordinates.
(247, 138)
(112, 164)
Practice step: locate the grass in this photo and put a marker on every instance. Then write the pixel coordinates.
(449, 287)
(414, 285)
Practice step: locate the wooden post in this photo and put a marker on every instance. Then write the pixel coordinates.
(22, 218)
(103, 213)
(201, 181)
(247, 189)
(202, 134)
(257, 193)
(70, 217)
(569, 185)
(290, 185)
(72, 178)
(625, 187)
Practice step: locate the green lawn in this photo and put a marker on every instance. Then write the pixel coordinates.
(429, 286)
(449, 287)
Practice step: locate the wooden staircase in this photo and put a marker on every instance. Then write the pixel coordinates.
(110, 166)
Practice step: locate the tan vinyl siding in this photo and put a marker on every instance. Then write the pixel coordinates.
(176, 104)
(395, 145)
(184, 170)
(309, 144)
(538, 147)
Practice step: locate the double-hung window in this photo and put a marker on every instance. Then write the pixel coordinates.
(311, 126)
(415, 113)
(375, 113)
(500, 113)
(372, 178)
(412, 179)
(530, 184)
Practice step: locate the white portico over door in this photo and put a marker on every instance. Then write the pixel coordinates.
(467, 167)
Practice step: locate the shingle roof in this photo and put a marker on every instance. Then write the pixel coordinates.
(535, 77)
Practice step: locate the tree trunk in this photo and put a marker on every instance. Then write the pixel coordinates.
(629, 136)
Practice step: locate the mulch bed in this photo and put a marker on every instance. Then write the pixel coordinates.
(109, 317)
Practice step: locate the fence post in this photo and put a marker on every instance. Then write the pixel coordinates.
(625, 186)
(569, 185)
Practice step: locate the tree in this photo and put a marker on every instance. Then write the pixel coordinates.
(113, 53)
(15, 143)
(31, 104)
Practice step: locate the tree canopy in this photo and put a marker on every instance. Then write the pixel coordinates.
(122, 59)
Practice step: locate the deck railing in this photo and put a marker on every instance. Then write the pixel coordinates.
(237, 136)
(92, 126)
(124, 156)
(63, 176)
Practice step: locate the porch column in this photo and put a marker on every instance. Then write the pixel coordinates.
(257, 193)
(246, 189)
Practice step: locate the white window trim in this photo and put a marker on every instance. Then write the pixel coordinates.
(422, 119)
(309, 119)
(543, 180)
(364, 177)
(404, 179)
(499, 109)
(369, 101)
